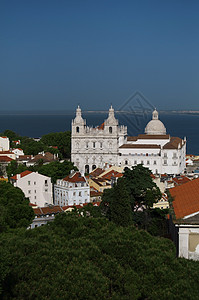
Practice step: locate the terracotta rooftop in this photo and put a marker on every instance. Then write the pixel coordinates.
(24, 157)
(140, 146)
(173, 144)
(24, 173)
(75, 177)
(181, 180)
(101, 127)
(4, 158)
(155, 136)
(96, 172)
(111, 174)
(186, 198)
(132, 138)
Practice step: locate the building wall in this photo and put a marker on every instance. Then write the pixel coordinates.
(36, 187)
(189, 241)
(71, 193)
(93, 147)
(4, 144)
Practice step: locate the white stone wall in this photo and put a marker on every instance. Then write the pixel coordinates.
(36, 187)
(67, 193)
(4, 144)
(93, 147)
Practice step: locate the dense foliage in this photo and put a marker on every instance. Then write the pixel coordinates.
(90, 258)
(61, 140)
(55, 170)
(14, 208)
(132, 198)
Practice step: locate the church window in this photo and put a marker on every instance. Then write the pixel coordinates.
(87, 169)
(93, 144)
(110, 129)
(100, 144)
(93, 167)
(87, 145)
(77, 129)
(126, 162)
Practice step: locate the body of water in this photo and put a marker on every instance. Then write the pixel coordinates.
(40, 124)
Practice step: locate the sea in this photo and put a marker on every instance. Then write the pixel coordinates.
(37, 124)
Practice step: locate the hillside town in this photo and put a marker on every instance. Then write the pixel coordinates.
(100, 156)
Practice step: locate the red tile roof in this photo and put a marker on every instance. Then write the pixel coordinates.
(111, 174)
(180, 180)
(101, 127)
(174, 143)
(132, 138)
(6, 152)
(24, 173)
(5, 158)
(76, 177)
(140, 146)
(96, 172)
(186, 198)
(155, 136)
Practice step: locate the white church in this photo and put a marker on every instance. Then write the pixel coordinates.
(110, 144)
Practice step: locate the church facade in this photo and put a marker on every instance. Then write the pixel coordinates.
(110, 144)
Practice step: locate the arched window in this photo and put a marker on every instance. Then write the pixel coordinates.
(126, 162)
(77, 129)
(93, 167)
(87, 169)
(110, 129)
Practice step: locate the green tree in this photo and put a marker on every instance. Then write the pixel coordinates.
(14, 168)
(55, 170)
(60, 139)
(120, 208)
(14, 207)
(141, 188)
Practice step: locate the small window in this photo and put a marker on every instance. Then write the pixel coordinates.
(74, 193)
(142, 162)
(110, 129)
(126, 162)
(35, 197)
(154, 162)
(148, 162)
(93, 144)
(28, 182)
(35, 191)
(46, 190)
(77, 129)
(101, 145)
(87, 145)
(80, 194)
(34, 182)
(29, 191)
(135, 162)
(46, 182)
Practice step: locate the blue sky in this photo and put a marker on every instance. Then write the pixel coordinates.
(56, 54)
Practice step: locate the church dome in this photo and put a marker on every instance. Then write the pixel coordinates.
(155, 126)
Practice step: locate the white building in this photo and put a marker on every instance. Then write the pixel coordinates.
(109, 143)
(72, 190)
(92, 147)
(4, 143)
(18, 152)
(36, 187)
